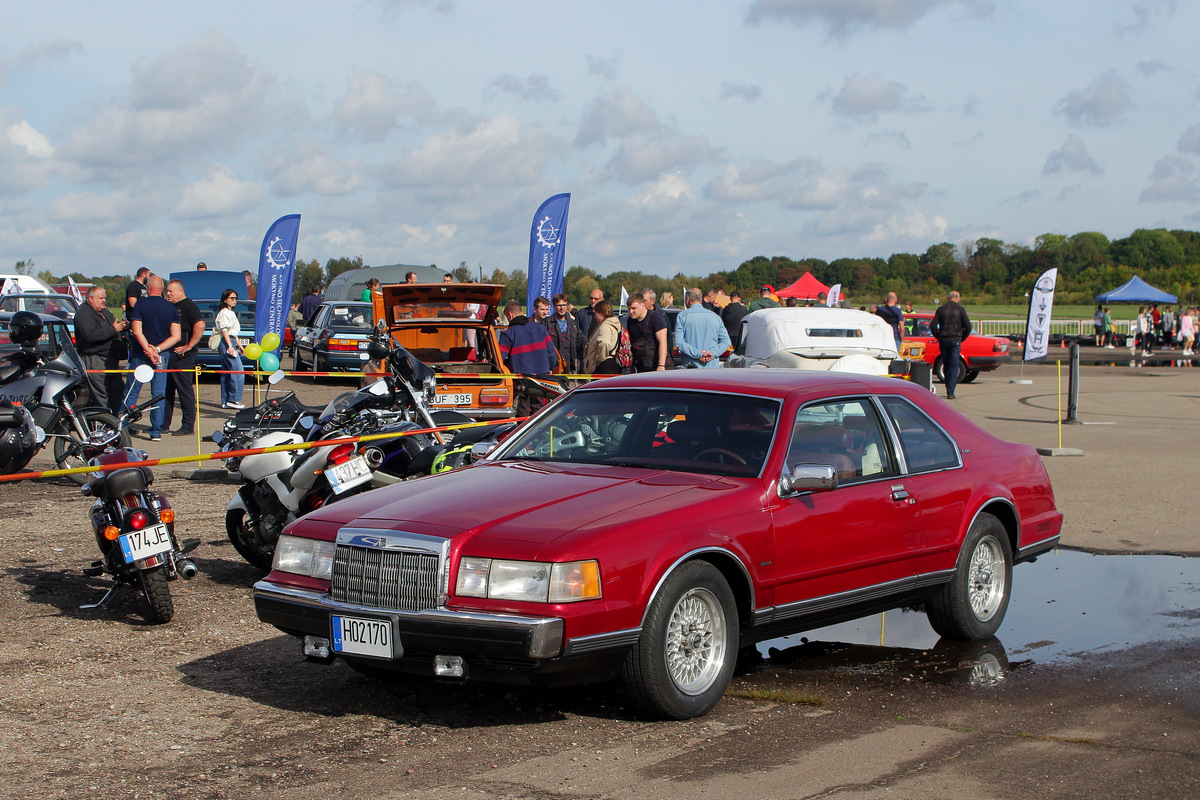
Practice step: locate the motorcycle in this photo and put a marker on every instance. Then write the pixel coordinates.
(46, 378)
(282, 413)
(134, 526)
(279, 487)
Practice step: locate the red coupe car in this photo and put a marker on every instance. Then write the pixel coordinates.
(646, 527)
(978, 353)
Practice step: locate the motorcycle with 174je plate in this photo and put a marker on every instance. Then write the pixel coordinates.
(46, 376)
(134, 526)
(282, 486)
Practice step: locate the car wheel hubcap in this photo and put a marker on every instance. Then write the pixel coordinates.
(985, 579)
(695, 641)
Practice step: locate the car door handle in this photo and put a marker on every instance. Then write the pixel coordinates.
(899, 493)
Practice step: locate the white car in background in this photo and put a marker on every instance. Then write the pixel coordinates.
(834, 339)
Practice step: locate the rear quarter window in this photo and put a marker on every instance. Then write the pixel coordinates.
(926, 446)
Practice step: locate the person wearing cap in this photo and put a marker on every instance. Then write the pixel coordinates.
(202, 267)
(765, 299)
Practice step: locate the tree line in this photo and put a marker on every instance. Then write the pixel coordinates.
(987, 271)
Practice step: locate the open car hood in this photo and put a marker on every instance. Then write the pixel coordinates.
(405, 303)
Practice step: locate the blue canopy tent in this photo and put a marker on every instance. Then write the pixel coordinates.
(1136, 290)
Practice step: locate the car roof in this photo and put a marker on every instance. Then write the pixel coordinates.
(772, 383)
(47, 319)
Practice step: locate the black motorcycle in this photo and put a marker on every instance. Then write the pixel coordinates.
(46, 376)
(135, 527)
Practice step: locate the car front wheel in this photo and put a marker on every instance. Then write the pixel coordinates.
(683, 660)
(972, 605)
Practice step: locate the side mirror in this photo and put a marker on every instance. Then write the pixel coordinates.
(807, 478)
(276, 376)
(144, 373)
(307, 423)
(481, 449)
(39, 435)
(218, 437)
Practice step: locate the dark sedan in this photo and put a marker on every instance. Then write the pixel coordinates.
(335, 337)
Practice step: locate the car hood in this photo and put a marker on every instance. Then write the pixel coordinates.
(421, 303)
(520, 501)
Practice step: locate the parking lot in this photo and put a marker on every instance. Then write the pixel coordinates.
(1078, 696)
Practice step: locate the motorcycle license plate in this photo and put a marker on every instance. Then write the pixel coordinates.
(147, 542)
(453, 400)
(348, 475)
(361, 636)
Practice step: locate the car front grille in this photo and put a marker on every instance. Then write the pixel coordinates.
(398, 580)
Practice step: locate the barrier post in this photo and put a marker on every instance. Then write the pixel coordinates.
(199, 437)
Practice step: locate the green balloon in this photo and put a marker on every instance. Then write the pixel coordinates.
(270, 342)
(269, 362)
(253, 352)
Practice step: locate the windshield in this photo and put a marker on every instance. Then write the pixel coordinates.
(57, 305)
(657, 429)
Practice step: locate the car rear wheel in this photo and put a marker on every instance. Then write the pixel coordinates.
(297, 364)
(316, 367)
(965, 374)
(685, 656)
(972, 605)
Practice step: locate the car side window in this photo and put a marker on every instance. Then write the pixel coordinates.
(846, 435)
(926, 446)
(742, 337)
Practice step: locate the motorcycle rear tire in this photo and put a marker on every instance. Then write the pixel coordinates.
(92, 423)
(244, 541)
(158, 595)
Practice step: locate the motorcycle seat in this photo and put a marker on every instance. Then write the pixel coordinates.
(122, 482)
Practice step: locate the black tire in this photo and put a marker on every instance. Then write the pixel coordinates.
(316, 367)
(968, 375)
(158, 595)
(682, 663)
(244, 541)
(297, 364)
(972, 605)
(67, 454)
(965, 375)
(939, 369)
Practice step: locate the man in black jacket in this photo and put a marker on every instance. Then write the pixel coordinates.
(565, 333)
(950, 326)
(98, 338)
(732, 316)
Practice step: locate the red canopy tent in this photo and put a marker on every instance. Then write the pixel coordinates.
(807, 288)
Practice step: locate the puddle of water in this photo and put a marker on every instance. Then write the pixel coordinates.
(1064, 606)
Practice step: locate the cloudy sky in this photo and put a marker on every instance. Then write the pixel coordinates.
(691, 135)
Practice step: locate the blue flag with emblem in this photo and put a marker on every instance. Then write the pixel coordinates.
(547, 249)
(276, 269)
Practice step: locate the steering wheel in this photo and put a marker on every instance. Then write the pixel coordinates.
(721, 451)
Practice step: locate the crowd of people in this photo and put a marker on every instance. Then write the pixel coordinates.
(162, 327)
(1153, 327)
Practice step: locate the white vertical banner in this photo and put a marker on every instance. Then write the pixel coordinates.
(75, 290)
(624, 297)
(835, 296)
(11, 286)
(1041, 303)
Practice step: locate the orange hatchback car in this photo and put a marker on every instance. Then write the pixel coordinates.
(451, 327)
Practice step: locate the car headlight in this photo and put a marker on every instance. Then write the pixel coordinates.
(530, 581)
(311, 557)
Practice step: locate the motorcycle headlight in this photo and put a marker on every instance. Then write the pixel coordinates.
(311, 557)
(529, 581)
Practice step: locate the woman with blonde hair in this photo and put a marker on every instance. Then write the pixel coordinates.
(600, 356)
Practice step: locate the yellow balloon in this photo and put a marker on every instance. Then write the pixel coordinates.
(270, 342)
(253, 352)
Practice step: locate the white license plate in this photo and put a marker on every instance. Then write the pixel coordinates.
(357, 636)
(364, 356)
(348, 475)
(147, 542)
(243, 342)
(453, 400)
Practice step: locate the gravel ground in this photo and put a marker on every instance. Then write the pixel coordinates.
(218, 705)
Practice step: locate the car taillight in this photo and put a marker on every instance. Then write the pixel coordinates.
(138, 520)
(341, 453)
(494, 397)
(1001, 346)
(343, 344)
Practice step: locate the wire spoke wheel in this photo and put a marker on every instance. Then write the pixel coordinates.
(985, 587)
(972, 605)
(695, 650)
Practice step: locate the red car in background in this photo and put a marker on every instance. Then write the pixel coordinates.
(978, 353)
(647, 527)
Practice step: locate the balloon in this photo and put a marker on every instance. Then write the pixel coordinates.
(253, 352)
(270, 342)
(268, 362)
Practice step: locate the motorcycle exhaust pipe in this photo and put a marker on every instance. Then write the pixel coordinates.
(374, 457)
(186, 569)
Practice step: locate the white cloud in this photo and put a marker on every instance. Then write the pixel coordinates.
(843, 17)
(1071, 157)
(741, 91)
(202, 98)
(601, 67)
(865, 97)
(1189, 142)
(114, 211)
(759, 181)
(25, 154)
(913, 227)
(615, 115)
(534, 88)
(373, 105)
(31, 140)
(1174, 179)
(220, 193)
(645, 157)
(307, 167)
(494, 152)
(1103, 102)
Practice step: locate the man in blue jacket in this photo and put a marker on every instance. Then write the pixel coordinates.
(699, 333)
(526, 345)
